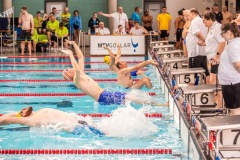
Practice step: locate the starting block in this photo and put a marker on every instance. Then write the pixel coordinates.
(187, 76)
(170, 53)
(174, 63)
(227, 133)
(158, 43)
(163, 48)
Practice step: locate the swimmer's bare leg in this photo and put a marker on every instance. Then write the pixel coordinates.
(150, 101)
(78, 53)
(142, 82)
(140, 72)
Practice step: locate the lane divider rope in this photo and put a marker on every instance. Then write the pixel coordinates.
(41, 70)
(99, 56)
(100, 115)
(84, 151)
(55, 80)
(46, 63)
(51, 94)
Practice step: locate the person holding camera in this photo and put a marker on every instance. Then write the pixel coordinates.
(93, 23)
(65, 17)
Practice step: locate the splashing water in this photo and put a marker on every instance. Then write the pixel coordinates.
(128, 123)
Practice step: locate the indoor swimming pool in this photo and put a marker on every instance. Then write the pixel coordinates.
(126, 128)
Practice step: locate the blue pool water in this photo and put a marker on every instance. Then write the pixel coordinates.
(128, 128)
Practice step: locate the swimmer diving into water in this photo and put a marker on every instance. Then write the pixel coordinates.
(112, 60)
(48, 116)
(90, 87)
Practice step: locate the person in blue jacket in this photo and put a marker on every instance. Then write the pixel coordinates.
(75, 25)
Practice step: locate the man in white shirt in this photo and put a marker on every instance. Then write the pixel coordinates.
(138, 30)
(119, 18)
(102, 30)
(196, 33)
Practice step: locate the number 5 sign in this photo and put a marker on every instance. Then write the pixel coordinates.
(204, 98)
(186, 78)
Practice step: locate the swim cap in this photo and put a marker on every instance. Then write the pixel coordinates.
(106, 59)
(18, 115)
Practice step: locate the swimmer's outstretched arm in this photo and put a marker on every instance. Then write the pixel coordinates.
(78, 53)
(5, 120)
(112, 65)
(118, 52)
(109, 51)
(73, 61)
(10, 114)
(138, 66)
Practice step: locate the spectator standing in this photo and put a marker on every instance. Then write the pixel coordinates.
(164, 23)
(229, 68)
(75, 25)
(218, 14)
(119, 18)
(185, 31)
(214, 43)
(26, 21)
(207, 10)
(147, 21)
(197, 32)
(54, 11)
(179, 23)
(65, 17)
(93, 23)
(227, 16)
(135, 17)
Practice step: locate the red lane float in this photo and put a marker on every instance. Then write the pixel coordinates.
(49, 63)
(99, 56)
(54, 80)
(101, 115)
(84, 151)
(51, 94)
(85, 70)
